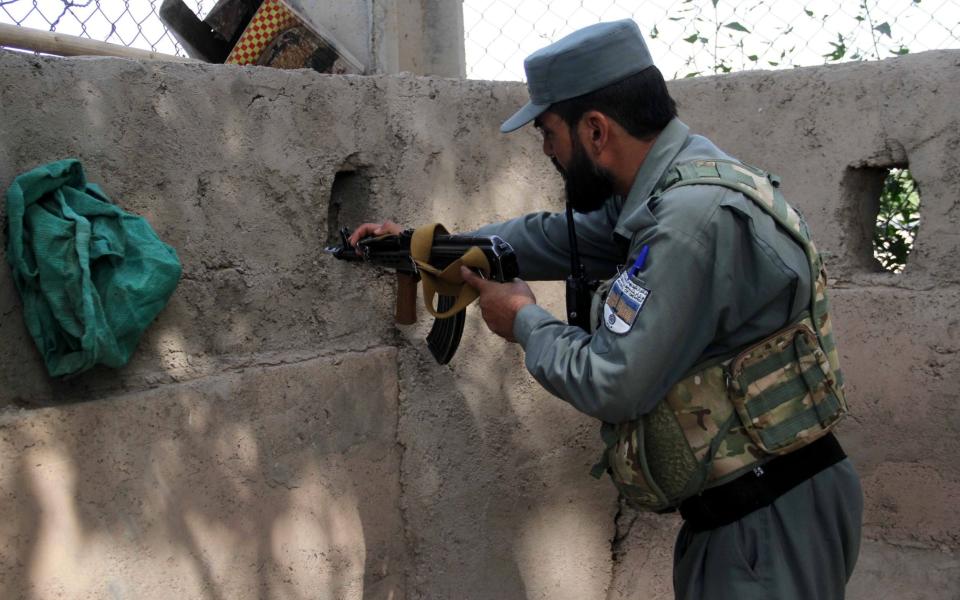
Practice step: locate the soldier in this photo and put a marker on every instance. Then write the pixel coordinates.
(707, 353)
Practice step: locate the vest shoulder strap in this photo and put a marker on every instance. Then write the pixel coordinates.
(761, 187)
(764, 190)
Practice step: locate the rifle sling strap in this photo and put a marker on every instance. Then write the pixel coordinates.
(448, 281)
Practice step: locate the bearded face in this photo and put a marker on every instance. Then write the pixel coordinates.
(587, 186)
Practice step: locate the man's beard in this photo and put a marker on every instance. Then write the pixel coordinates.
(587, 186)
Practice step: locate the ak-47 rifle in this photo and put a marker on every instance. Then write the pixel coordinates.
(434, 258)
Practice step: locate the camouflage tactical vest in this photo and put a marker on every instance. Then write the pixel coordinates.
(732, 413)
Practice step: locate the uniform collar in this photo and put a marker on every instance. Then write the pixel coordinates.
(662, 154)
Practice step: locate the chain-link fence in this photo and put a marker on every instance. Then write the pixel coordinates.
(694, 37)
(134, 23)
(686, 37)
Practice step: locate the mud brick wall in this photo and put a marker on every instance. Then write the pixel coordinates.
(277, 436)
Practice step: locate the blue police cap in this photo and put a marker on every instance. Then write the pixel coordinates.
(584, 61)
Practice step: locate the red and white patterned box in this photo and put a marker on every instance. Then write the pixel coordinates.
(270, 19)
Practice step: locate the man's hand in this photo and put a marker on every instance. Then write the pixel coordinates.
(500, 302)
(367, 229)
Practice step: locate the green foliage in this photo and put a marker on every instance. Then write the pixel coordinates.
(725, 38)
(839, 49)
(899, 214)
(897, 220)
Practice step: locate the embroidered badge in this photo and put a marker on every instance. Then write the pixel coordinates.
(624, 303)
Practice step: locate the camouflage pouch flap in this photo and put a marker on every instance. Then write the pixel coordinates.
(651, 462)
(783, 390)
(672, 464)
(629, 470)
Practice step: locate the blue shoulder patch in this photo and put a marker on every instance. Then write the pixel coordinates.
(624, 303)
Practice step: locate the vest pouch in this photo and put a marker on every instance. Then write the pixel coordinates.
(651, 462)
(784, 391)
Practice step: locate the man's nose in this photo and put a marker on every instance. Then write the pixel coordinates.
(548, 148)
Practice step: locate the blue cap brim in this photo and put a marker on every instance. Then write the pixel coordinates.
(523, 116)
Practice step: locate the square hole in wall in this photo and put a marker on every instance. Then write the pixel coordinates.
(349, 202)
(898, 219)
(888, 200)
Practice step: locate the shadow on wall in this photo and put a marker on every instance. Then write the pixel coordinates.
(266, 483)
(496, 483)
(239, 187)
(251, 471)
(495, 470)
(234, 477)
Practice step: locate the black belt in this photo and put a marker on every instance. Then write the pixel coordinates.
(726, 503)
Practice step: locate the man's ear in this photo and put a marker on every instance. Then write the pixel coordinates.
(597, 130)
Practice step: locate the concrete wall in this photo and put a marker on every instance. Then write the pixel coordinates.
(276, 436)
(424, 37)
(431, 37)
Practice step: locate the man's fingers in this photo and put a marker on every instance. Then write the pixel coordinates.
(387, 226)
(472, 279)
(368, 229)
(360, 232)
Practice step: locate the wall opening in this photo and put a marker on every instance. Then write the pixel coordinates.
(349, 202)
(898, 219)
(887, 201)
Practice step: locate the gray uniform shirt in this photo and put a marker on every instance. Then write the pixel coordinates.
(720, 275)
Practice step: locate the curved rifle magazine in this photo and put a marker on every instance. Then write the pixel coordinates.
(444, 337)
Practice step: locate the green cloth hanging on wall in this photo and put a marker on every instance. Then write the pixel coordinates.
(91, 276)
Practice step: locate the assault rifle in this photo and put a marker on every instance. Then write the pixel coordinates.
(413, 256)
